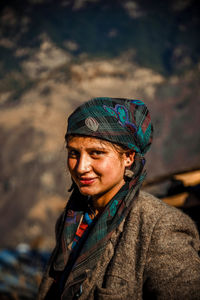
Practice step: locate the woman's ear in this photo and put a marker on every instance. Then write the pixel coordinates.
(129, 158)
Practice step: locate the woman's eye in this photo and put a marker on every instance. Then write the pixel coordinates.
(72, 154)
(97, 153)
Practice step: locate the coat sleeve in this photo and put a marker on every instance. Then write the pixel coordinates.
(47, 281)
(173, 263)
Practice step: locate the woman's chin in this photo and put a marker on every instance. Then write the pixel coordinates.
(86, 191)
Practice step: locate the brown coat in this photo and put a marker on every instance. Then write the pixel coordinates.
(152, 255)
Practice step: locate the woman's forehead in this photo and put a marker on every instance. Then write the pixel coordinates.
(87, 141)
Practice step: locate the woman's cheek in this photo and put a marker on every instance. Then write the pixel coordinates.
(102, 166)
(71, 163)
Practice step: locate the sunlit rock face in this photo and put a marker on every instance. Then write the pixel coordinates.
(56, 56)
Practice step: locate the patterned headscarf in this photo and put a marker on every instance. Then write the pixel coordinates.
(122, 121)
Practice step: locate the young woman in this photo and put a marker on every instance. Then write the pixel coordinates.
(113, 240)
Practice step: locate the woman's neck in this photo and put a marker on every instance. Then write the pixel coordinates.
(99, 202)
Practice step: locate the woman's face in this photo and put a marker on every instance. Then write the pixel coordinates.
(96, 167)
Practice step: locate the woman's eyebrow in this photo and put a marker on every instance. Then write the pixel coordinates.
(71, 148)
(96, 148)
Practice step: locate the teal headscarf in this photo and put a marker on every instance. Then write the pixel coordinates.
(123, 121)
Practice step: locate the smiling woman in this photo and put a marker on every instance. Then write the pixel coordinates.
(113, 240)
(97, 168)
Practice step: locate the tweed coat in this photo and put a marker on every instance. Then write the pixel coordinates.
(153, 254)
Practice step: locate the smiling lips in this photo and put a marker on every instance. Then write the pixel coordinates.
(86, 180)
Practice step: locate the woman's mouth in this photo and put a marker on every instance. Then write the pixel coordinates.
(86, 181)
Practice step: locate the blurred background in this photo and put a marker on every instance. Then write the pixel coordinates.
(54, 55)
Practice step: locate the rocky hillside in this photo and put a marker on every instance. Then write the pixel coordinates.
(57, 54)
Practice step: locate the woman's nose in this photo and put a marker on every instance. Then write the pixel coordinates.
(83, 164)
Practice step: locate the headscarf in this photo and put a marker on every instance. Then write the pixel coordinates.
(123, 121)
(120, 121)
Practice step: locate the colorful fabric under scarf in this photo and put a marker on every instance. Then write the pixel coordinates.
(122, 121)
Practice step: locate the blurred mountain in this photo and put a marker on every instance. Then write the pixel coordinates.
(57, 54)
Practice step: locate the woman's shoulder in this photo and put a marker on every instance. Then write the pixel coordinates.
(153, 210)
(150, 204)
